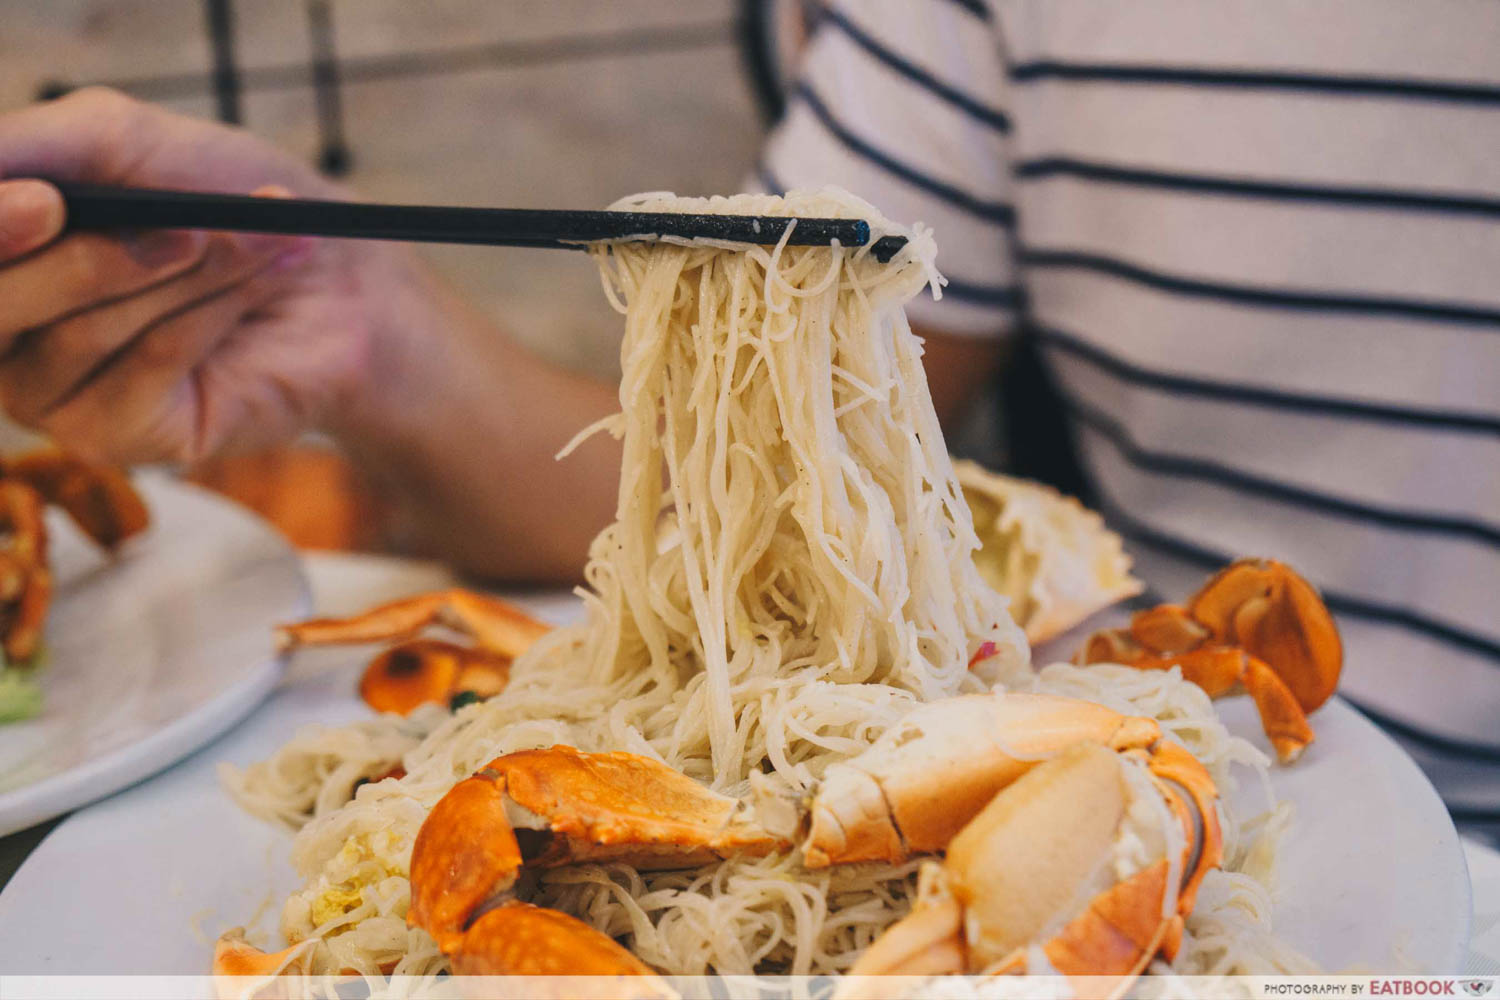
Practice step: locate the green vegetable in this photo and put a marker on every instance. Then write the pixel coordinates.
(461, 699)
(20, 694)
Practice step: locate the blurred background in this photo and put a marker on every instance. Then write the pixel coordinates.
(525, 103)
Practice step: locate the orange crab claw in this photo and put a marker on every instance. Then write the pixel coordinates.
(1009, 886)
(99, 499)
(422, 670)
(621, 806)
(1271, 612)
(553, 807)
(496, 625)
(465, 854)
(518, 939)
(933, 772)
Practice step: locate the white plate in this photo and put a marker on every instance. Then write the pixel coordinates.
(151, 654)
(1374, 876)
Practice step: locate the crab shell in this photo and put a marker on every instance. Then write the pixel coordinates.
(101, 500)
(1050, 555)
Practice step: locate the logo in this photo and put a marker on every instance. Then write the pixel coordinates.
(1476, 987)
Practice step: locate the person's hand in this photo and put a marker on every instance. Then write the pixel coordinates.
(169, 345)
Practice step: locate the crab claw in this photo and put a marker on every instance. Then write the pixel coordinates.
(1267, 609)
(555, 807)
(1257, 626)
(932, 773)
(1010, 887)
(496, 625)
(99, 499)
(422, 670)
(518, 939)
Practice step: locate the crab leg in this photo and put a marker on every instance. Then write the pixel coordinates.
(99, 499)
(21, 520)
(1220, 670)
(24, 619)
(25, 583)
(499, 627)
(422, 670)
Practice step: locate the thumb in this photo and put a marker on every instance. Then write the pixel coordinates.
(31, 215)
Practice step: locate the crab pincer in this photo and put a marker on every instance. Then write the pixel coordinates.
(1040, 803)
(548, 808)
(1015, 895)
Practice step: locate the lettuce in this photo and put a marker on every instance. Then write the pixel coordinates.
(20, 694)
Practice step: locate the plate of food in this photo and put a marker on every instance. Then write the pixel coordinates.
(797, 727)
(134, 633)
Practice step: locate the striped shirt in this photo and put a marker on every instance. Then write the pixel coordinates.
(1259, 244)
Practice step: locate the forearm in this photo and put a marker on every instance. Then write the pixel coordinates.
(457, 427)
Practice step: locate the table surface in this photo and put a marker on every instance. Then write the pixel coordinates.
(343, 584)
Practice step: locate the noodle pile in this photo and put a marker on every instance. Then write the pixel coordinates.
(789, 573)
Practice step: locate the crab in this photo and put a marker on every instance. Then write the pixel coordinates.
(1050, 555)
(418, 670)
(1256, 625)
(991, 779)
(100, 500)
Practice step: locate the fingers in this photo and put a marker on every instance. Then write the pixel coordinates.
(146, 403)
(91, 134)
(83, 271)
(31, 214)
(47, 365)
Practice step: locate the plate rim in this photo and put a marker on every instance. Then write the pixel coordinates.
(1460, 947)
(128, 765)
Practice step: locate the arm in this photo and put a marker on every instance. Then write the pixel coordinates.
(458, 426)
(958, 367)
(169, 346)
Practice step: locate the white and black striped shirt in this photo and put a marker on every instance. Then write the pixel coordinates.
(1260, 243)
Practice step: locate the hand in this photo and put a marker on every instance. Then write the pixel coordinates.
(170, 345)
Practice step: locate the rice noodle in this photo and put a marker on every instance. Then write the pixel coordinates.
(789, 572)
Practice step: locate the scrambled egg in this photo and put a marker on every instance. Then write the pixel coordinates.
(354, 878)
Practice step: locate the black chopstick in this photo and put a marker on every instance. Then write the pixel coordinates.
(93, 207)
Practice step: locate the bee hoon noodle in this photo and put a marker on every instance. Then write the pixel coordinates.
(789, 572)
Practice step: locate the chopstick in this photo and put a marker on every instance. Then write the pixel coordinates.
(94, 207)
